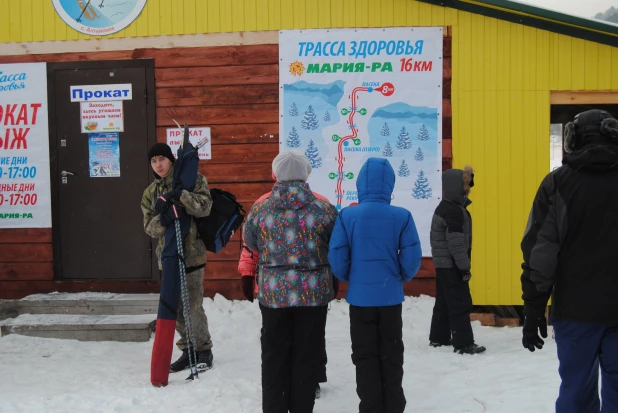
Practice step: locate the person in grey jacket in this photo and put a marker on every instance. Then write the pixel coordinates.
(451, 248)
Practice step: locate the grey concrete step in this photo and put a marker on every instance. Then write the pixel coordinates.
(81, 303)
(82, 327)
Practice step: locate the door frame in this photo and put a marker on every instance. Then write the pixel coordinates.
(150, 101)
(583, 97)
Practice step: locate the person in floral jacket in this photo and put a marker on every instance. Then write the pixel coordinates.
(248, 267)
(291, 232)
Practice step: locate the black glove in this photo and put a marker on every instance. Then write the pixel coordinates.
(532, 327)
(335, 287)
(163, 202)
(175, 211)
(247, 286)
(465, 275)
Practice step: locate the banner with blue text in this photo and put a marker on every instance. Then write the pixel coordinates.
(25, 200)
(350, 94)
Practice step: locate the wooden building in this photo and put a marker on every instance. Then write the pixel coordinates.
(508, 68)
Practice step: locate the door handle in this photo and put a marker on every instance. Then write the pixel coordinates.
(65, 173)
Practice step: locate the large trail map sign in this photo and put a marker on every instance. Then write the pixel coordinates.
(350, 94)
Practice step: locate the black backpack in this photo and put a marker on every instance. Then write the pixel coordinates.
(226, 216)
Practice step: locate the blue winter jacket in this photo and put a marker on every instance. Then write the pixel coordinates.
(375, 246)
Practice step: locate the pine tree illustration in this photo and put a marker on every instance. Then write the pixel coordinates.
(313, 155)
(293, 140)
(404, 171)
(419, 155)
(403, 140)
(423, 134)
(294, 110)
(388, 150)
(327, 117)
(385, 130)
(310, 120)
(421, 190)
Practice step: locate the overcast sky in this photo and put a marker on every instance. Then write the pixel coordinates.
(583, 8)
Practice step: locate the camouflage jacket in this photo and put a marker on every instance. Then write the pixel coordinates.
(197, 204)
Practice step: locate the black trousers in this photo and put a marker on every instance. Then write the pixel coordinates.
(377, 353)
(323, 360)
(451, 312)
(292, 353)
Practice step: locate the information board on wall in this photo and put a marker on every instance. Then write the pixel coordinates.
(350, 94)
(25, 196)
(102, 116)
(104, 155)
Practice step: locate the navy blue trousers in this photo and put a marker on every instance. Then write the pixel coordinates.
(582, 349)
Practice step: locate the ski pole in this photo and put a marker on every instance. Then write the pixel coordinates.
(185, 303)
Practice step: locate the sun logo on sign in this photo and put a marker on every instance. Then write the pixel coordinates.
(297, 68)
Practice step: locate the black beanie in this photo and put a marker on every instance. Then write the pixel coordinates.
(161, 149)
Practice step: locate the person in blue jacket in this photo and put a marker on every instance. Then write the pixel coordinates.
(375, 248)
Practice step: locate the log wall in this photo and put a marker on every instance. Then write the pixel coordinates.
(235, 91)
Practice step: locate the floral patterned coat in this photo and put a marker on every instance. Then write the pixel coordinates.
(291, 231)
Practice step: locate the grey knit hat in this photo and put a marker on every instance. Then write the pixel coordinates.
(291, 166)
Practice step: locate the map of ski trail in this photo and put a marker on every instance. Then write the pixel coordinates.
(387, 89)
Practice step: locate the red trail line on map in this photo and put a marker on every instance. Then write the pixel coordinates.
(354, 135)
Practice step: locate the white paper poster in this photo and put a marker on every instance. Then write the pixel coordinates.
(25, 196)
(350, 94)
(102, 116)
(175, 136)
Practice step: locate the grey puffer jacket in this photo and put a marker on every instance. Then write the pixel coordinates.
(451, 225)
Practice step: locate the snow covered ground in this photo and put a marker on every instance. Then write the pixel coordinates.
(49, 375)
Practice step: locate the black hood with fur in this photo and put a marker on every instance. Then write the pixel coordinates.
(593, 157)
(591, 142)
(590, 127)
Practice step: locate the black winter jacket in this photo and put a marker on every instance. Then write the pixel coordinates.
(451, 225)
(569, 246)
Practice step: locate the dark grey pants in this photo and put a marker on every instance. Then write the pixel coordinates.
(451, 312)
(199, 322)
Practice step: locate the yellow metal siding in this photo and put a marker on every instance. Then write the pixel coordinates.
(502, 77)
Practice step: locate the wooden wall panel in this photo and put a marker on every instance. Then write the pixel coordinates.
(14, 271)
(248, 172)
(234, 90)
(26, 253)
(25, 235)
(218, 95)
(217, 76)
(218, 115)
(262, 54)
(236, 134)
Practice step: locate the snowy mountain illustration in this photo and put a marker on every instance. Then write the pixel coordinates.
(400, 110)
(331, 93)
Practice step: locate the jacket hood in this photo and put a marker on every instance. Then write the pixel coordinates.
(376, 181)
(453, 186)
(292, 195)
(598, 158)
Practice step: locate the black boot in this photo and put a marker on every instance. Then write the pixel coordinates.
(469, 349)
(182, 362)
(437, 344)
(204, 360)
